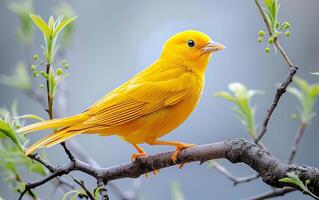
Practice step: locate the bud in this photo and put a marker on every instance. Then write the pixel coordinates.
(59, 71)
(288, 33)
(286, 25)
(35, 57)
(261, 33)
(277, 24)
(267, 50)
(42, 73)
(271, 40)
(35, 74)
(260, 40)
(33, 67)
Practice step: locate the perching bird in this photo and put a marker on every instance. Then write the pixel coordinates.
(149, 105)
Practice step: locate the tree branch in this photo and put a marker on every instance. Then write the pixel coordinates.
(272, 194)
(236, 180)
(295, 146)
(283, 87)
(236, 151)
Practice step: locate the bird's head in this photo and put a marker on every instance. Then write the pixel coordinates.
(190, 48)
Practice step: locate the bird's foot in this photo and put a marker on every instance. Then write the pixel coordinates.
(138, 155)
(179, 148)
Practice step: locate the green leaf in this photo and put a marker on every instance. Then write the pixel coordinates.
(241, 96)
(41, 24)
(224, 95)
(306, 95)
(30, 116)
(63, 24)
(97, 192)
(177, 193)
(7, 130)
(19, 79)
(268, 3)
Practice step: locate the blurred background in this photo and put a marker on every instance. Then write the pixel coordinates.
(113, 40)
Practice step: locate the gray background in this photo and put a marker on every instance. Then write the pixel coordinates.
(116, 39)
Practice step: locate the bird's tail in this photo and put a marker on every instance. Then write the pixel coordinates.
(54, 138)
(54, 123)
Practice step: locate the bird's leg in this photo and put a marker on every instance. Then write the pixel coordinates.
(179, 146)
(140, 153)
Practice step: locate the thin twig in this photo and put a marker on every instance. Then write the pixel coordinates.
(295, 146)
(230, 176)
(82, 185)
(272, 194)
(283, 87)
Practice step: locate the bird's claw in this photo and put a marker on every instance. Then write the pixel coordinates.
(138, 155)
(179, 148)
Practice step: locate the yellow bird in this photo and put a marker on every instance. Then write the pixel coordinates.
(149, 105)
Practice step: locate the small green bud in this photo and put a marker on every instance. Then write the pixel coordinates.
(286, 25)
(42, 73)
(59, 71)
(261, 33)
(35, 57)
(294, 116)
(33, 67)
(267, 49)
(271, 40)
(307, 182)
(277, 24)
(66, 66)
(35, 74)
(288, 33)
(41, 86)
(260, 40)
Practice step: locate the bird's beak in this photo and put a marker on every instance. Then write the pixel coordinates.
(212, 47)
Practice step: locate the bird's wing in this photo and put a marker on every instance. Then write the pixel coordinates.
(138, 99)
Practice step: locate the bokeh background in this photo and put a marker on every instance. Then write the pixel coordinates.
(115, 39)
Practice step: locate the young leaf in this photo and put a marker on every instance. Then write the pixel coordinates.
(241, 97)
(63, 24)
(306, 95)
(7, 130)
(19, 80)
(41, 24)
(177, 193)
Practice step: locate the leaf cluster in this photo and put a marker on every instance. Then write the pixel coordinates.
(50, 31)
(293, 178)
(241, 96)
(306, 95)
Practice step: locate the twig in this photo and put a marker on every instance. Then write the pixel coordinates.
(230, 176)
(68, 152)
(272, 194)
(283, 87)
(81, 184)
(295, 146)
(236, 150)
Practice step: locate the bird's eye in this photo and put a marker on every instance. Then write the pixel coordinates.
(190, 43)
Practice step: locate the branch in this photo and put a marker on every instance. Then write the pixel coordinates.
(272, 194)
(295, 146)
(230, 176)
(236, 151)
(283, 87)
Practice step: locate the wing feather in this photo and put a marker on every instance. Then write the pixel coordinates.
(137, 100)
